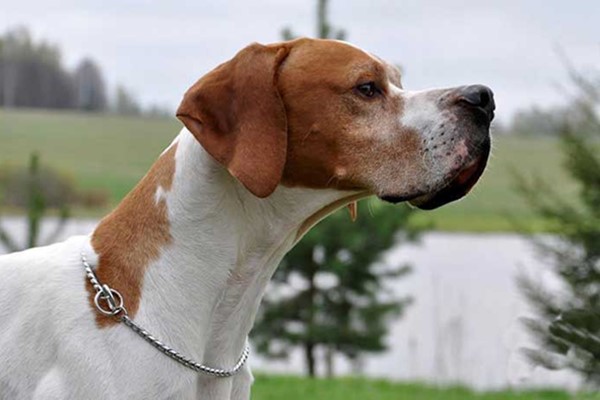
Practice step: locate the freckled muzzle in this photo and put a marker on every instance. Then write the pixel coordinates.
(477, 102)
(463, 181)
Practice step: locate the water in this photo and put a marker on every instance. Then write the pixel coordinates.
(464, 324)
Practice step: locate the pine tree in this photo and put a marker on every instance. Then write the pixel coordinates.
(350, 314)
(330, 290)
(568, 322)
(324, 29)
(89, 87)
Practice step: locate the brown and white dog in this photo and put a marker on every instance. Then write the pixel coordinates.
(274, 140)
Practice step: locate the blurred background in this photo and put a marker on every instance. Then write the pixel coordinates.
(496, 296)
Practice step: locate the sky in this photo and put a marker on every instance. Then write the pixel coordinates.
(159, 48)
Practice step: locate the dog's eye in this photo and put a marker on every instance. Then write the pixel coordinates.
(368, 89)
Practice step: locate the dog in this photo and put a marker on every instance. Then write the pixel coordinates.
(274, 140)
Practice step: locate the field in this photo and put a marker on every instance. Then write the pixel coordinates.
(112, 153)
(295, 388)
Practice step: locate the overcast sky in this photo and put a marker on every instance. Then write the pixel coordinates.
(158, 49)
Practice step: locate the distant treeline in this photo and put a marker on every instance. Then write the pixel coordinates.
(552, 121)
(32, 76)
(575, 114)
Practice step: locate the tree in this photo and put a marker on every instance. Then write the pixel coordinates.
(31, 74)
(567, 326)
(324, 28)
(125, 103)
(349, 315)
(538, 122)
(89, 86)
(330, 289)
(549, 122)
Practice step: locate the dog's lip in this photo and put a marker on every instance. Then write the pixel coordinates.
(459, 186)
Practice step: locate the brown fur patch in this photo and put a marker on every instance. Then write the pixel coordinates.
(132, 236)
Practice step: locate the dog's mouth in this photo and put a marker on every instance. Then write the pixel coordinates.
(459, 183)
(458, 186)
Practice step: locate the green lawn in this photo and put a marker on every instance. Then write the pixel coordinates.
(98, 151)
(296, 388)
(113, 152)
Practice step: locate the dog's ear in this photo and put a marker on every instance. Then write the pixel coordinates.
(236, 113)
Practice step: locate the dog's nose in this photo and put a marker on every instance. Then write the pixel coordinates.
(478, 96)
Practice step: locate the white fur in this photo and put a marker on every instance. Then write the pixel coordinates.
(200, 296)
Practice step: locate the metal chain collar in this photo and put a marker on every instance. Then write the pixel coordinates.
(114, 307)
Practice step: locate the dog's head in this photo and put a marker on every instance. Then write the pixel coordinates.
(324, 114)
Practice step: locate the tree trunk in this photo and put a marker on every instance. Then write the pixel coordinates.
(309, 346)
(322, 25)
(309, 352)
(36, 202)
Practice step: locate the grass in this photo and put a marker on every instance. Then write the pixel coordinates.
(113, 153)
(97, 151)
(297, 388)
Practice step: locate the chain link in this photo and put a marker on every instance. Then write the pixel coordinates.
(115, 307)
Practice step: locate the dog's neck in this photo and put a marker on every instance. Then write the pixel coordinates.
(202, 290)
